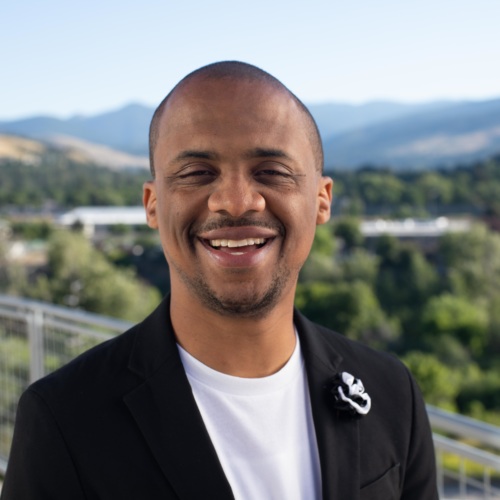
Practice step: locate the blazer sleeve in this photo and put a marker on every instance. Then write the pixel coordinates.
(420, 476)
(40, 466)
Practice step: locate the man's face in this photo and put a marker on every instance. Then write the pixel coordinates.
(237, 194)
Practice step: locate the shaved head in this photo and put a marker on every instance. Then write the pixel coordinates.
(237, 71)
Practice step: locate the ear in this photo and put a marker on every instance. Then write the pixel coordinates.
(149, 202)
(324, 200)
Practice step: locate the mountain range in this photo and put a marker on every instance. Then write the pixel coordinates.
(389, 134)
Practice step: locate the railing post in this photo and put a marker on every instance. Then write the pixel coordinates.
(35, 338)
(462, 479)
(440, 473)
(487, 483)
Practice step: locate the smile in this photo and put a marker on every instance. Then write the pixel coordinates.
(239, 246)
(240, 251)
(237, 243)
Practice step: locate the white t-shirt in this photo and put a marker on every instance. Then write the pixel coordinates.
(261, 428)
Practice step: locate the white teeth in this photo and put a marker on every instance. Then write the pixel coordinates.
(237, 243)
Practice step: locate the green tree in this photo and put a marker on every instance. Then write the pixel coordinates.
(360, 265)
(404, 283)
(380, 188)
(438, 383)
(13, 277)
(480, 391)
(349, 308)
(81, 276)
(458, 317)
(472, 262)
(321, 265)
(435, 188)
(32, 230)
(348, 230)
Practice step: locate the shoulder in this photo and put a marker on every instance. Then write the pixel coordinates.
(112, 365)
(96, 370)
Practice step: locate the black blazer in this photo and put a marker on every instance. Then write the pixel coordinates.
(120, 422)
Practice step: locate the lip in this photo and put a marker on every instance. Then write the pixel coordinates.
(239, 257)
(238, 233)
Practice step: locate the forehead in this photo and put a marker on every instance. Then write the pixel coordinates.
(231, 95)
(233, 111)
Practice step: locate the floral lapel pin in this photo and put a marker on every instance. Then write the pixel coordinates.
(349, 395)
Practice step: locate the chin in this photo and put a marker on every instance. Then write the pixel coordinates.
(241, 303)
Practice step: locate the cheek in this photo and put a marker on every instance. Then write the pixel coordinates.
(169, 223)
(178, 216)
(300, 225)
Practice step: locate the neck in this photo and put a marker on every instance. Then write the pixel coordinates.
(243, 347)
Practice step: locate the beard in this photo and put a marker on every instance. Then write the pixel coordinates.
(245, 303)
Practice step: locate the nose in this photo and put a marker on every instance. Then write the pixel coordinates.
(236, 196)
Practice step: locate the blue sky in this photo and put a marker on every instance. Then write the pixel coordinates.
(61, 57)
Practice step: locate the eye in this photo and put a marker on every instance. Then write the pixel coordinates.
(194, 175)
(270, 171)
(274, 173)
(272, 168)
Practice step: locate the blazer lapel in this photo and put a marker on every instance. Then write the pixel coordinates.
(337, 435)
(166, 412)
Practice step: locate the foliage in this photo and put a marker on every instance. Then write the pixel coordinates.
(404, 282)
(481, 392)
(13, 277)
(66, 183)
(472, 261)
(350, 308)
(467, 189)
(457, 317)
(335, 286)
(80, 276)
(321, 263)
(439, 311)
(14, 360)
(360, 265)
(32, 230)
(438, 383)
(348, 231)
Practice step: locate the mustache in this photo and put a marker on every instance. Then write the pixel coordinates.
(226, 221)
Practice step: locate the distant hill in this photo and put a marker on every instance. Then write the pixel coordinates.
(336, 118)
(21, 149)
(32, 151)
(443, 137)
(97, 153)
(125, 129)
(389, 134)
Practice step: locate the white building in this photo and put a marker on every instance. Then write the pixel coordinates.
(414, 228)
(93, 218)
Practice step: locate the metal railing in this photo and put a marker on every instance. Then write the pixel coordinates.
(37, 338)
(481, 434)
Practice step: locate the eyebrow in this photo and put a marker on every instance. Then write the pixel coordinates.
(250, 154)
(191, 153)
(266, 153)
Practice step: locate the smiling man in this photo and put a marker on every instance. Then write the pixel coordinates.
(225, 391)
(237, 194)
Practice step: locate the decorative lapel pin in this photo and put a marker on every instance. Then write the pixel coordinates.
(349, 395)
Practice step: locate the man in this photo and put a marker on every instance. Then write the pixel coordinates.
(224, 392)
